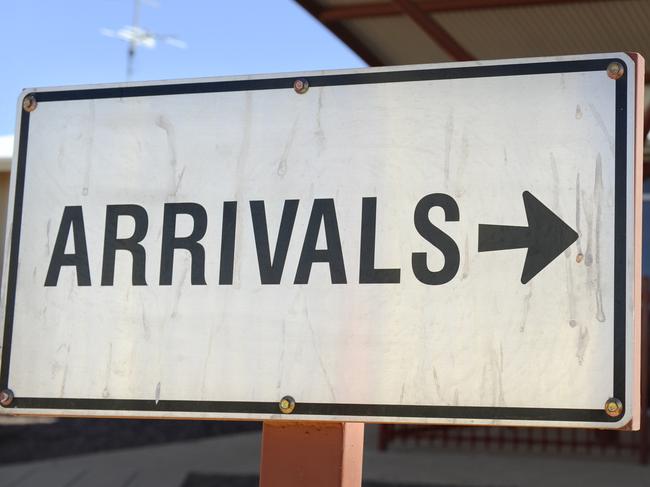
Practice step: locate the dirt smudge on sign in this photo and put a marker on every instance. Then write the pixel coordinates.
(578, 112)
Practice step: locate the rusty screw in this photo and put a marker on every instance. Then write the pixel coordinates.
(613, 407)
(29, 103)
(615, 70)
(6, 397)
(287, 405)
(301, 85)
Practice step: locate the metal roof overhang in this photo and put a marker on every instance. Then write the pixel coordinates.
(390, 32)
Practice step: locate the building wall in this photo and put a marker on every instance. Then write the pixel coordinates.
(4, 196)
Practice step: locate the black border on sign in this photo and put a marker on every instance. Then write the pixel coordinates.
(327, 409)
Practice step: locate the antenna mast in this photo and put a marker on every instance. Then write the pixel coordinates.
(133, 42)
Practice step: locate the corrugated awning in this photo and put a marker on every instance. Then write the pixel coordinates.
(390, 32)
(428, 31)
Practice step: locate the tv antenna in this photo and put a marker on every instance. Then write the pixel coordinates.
(137, 36)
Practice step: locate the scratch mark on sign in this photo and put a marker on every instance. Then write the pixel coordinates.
(583, 341)
(180, 180)
(598, 193)
(602, 126)
(578, 112)
(436, 382)
(569, 262)
(165, 124)
(179, 290)
(571, 293)
(282, 165)
(106, 392)
(567, 252)
(320, 135)
(483, 384)
(47, 232)
(589, 219)
(318, 354)
(145, 324)
(401, 396)
(246, 135)
(498, 368)
(89, 146)
(65, 371)
(465, 260)
(449, 134)
(556, 183)
(241, 177)
(462, 164)
(492, 379)
(215, 330)
(72, 283)
(526, 309)
(282, 349)
(157, 393)
(60, 156)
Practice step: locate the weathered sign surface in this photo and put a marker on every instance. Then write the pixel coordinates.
(445, 243)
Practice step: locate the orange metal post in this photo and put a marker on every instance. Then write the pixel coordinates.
(311, 454)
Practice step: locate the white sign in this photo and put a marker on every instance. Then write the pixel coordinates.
(435, 244)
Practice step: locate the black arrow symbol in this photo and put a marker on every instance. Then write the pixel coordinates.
(546, 237)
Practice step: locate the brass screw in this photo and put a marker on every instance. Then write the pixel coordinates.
(613, 407)
(6, 397)
(287, 405)
(615, 70)
(301, 85)
(29, 103)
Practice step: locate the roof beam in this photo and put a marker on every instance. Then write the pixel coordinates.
(343, 33)
(383, 9)
(434, 30)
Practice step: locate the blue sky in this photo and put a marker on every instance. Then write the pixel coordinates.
(49, 43)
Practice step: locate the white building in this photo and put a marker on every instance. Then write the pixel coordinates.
(6, 151)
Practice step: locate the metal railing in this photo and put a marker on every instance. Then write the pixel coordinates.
(551, 440)
(531, 440)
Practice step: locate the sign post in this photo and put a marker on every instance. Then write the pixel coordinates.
(441, 244)
(316, 454)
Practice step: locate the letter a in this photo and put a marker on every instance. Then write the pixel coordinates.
(72, 219)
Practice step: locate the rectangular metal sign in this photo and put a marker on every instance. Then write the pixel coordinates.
(452, 243)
